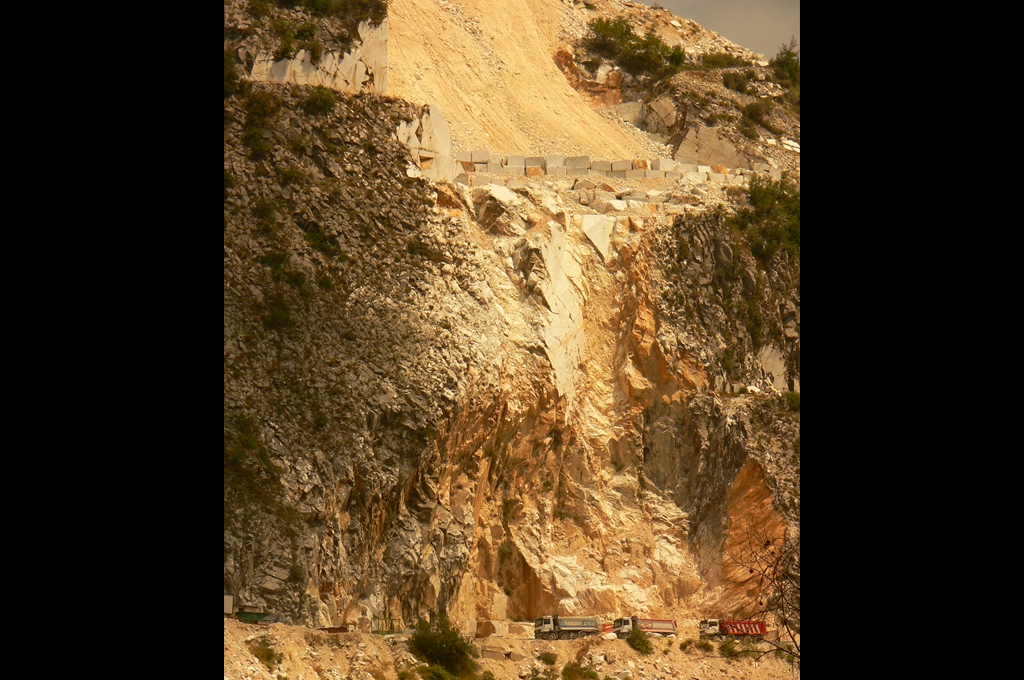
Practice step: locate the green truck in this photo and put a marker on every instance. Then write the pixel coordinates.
(250, 615)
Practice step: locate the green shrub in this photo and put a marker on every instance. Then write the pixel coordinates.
(638, 640)
(728, 361)
(685, 645)
(315, 236)
(772, 223)
(321, 8)
(289, 175)
(265, 652)
(609, 37)
(297, 279)
(757, 112)
(306, 31)
(572, 671)
(297, 573)
(315, 49)
(755, 322)
(232, 83)
(727, 648)
(737, 81)
(320, 102)
(649, 55)
(259, 148)
(286, 48)
(793, 402)
(319, 420)
(714, 118)
(435, 673)
(548, 657)
(786, 65)
(299, 144)
(229, 182)
(441, 644)
(279, 313)
(355, 10)
(749, 647)
(721, 60)
(258, 9)
(652, 57)
(250, 476)
(274, 259)
(265, 212)
(705, 646)
(260, 107)
(487, 675)
(281, 27)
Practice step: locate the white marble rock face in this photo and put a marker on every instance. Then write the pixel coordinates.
(363, 69)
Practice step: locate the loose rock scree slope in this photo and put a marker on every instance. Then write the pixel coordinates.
(490, 68)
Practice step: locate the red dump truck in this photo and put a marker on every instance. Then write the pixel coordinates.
(719, 627)
(622, 626)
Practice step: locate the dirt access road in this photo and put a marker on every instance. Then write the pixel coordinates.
(304, 654)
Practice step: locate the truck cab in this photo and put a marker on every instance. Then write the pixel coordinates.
(621, 627)
(544, 628)
(709, 628)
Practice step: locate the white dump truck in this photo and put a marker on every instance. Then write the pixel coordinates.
(622, 627)
(566, 627)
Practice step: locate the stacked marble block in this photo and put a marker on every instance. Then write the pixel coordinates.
(520, 166)
(490, 163)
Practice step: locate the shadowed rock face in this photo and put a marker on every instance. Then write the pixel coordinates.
(484, 400)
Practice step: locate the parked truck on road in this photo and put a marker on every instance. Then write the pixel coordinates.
(566, 627)
(622, 627)
(716, 628)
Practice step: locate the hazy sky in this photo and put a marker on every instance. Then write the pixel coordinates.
(759, 25)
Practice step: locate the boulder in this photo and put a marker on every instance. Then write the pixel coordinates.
(436, 141)
(686, 149)
(661, 115)
(598, 229)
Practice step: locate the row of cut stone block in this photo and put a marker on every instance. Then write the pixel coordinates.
(581, 166)
(480, 178)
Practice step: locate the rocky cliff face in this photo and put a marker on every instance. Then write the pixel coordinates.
(487, 400)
